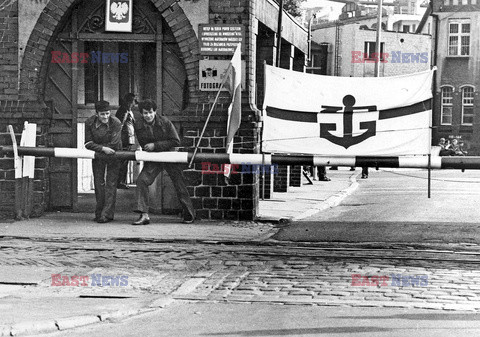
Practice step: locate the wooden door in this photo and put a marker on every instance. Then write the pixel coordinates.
(60, 89)
(174, 87)
(173, 80)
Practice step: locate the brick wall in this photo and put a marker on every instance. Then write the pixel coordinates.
(7, 178)
(21, 98)
(8, 52)
(212, 195)
(296, 176)
(281, 181)
(458, 72)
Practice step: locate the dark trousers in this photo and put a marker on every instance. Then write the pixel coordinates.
(123, 171)
(105, 176)
(149, 172)
(365, 171)
(321, 172)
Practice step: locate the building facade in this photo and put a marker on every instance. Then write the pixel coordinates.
(351, 46)
(165, 57)
(457, 51)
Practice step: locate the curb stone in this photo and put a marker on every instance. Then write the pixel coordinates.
(121, 314)
(32, 327)
(331, 201)
(29, 328)
(162, 302)
(73, 322)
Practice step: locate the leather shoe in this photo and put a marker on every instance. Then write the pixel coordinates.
(104, 219)
(142, 220)
(188, 220)
(324, 179)
(364, 176)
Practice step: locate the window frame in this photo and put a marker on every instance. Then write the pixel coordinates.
(469, 105)
(459, 35)
(367, 50)
(444, 105)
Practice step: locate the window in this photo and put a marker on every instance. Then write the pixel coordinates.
(93, 71)
(459, 37)
(370, 49)
(467, 105)
(447, 106)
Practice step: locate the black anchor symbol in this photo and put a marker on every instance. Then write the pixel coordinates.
(348, 139)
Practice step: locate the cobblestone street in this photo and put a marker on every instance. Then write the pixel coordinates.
(270, 272)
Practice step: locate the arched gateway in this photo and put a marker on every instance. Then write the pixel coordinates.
(147, 61)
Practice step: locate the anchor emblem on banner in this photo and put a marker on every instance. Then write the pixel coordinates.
(348, 139)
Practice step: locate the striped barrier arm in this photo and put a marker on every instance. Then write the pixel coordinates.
(436, 162)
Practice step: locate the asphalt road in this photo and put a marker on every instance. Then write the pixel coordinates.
(263, 320)
(393, 206)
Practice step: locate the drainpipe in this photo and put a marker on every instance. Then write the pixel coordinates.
(309, 40)
(434, 60)
(252, 92)
(279, 32)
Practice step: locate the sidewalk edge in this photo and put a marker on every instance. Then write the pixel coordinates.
(52, 325)
(331, 201)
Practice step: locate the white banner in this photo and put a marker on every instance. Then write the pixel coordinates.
(345, 116)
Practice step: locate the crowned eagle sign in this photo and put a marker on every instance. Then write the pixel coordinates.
(119, 16)
(345, 116)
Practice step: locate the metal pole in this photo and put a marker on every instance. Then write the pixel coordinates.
(429, 175)
(309, 41)
(377, 43)
(263, 177)
(279, 33)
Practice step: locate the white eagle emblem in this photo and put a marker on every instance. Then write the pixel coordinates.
(119, 10)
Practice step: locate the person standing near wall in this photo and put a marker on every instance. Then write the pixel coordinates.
(156, 133)
(125, 115)
(364, 172)
(102, 135)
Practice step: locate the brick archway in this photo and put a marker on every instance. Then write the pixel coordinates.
(35, 62)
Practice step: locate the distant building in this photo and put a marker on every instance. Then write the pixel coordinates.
(457, 101)
(351, 44)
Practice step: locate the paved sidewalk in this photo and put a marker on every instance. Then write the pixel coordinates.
(298, 203)
(302, 202)
(65, 310)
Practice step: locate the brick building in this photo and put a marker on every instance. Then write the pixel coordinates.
(164, 63)
(403, 52)
(457, 101)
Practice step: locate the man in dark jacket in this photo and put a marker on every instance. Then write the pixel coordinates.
(157, 134)
(102, 135)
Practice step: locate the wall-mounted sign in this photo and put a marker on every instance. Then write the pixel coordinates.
(119, 16)
(221, 39)
(212, 72)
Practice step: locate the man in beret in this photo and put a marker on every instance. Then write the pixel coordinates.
(103, 135)
(156, 133)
